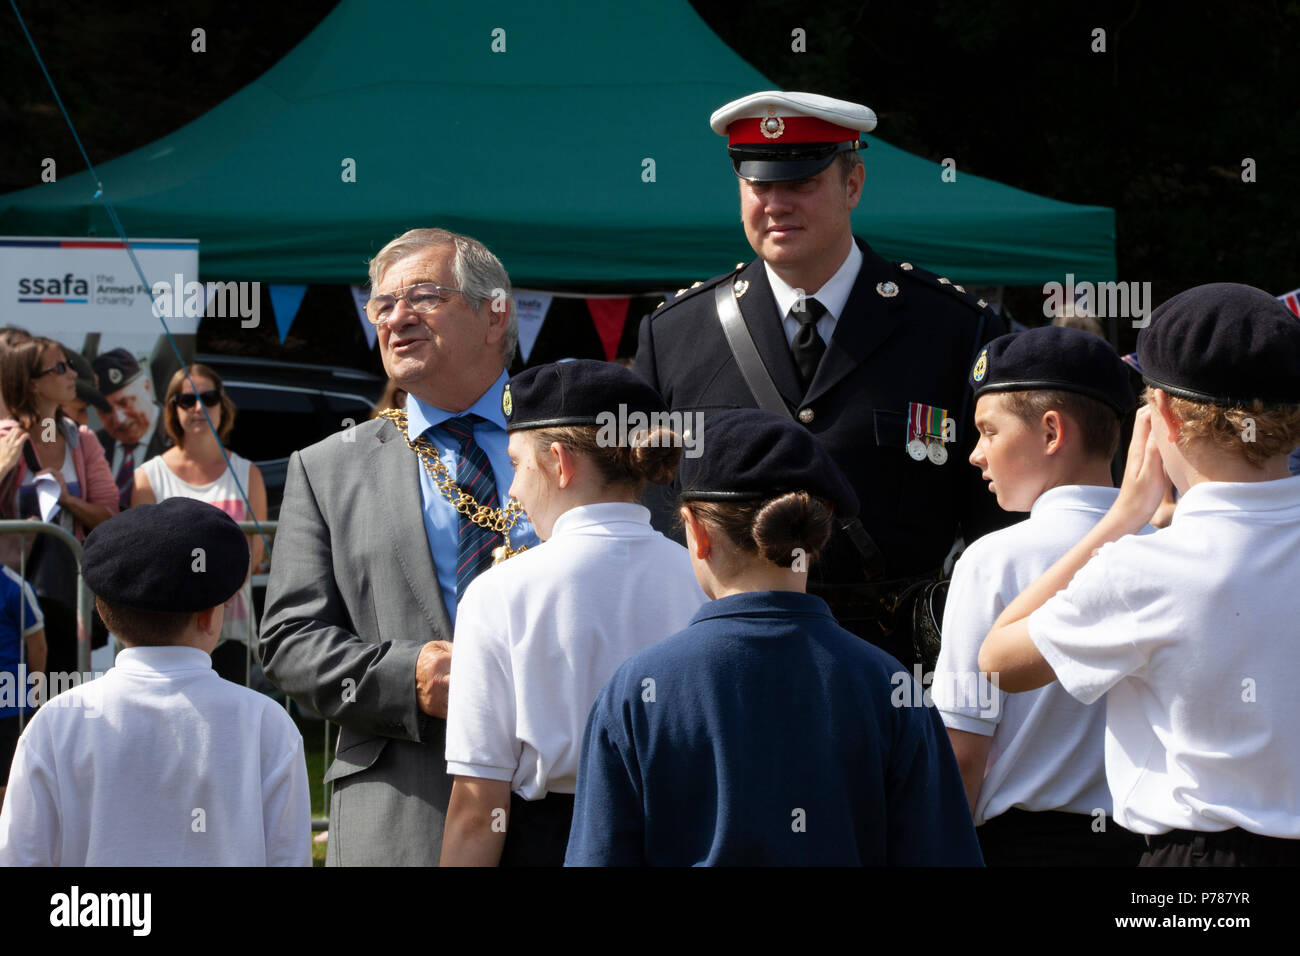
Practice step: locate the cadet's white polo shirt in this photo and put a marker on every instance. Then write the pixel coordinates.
(1047, 748)
(1193, 632)
(538, 636)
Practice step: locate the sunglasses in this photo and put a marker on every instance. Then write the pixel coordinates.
(188, 400)
(59, 368)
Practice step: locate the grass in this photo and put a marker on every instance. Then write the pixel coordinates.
(313, 741)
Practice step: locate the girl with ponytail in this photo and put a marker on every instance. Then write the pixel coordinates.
(764, 733)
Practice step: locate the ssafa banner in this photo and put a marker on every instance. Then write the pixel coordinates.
(87, 295)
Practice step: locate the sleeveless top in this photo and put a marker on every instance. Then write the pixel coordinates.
(222, 493)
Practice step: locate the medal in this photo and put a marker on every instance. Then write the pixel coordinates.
(925, 432)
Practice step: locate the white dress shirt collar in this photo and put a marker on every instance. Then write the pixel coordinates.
(834, 294)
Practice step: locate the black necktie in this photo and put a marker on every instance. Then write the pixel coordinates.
(808, 346)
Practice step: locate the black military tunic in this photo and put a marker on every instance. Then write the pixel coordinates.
(905, 336)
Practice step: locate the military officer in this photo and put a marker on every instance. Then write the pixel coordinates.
(871, 356)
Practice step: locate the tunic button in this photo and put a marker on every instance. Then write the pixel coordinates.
(805, 415)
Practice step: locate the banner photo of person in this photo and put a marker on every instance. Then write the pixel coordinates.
(86, 294)
(105, 363)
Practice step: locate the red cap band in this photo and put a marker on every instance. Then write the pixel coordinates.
(792, 129)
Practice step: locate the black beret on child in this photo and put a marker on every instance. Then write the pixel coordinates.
(1223, 344)
(144, 558)
(1052, 358)
(578, 392)
(750, 454)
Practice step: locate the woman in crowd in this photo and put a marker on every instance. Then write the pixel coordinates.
(764, 733)
(41, 447)
(194, 467)
(538, 635)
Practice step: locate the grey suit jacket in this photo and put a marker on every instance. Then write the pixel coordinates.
(352, 598)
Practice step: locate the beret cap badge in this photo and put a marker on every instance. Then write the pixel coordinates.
(507, 404)
(114, 375)
(981, 366)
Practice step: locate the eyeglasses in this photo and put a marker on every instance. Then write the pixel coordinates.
(421, 297)
(60, 368)
(188, 400)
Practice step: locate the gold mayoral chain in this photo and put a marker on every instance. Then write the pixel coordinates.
(500, 520)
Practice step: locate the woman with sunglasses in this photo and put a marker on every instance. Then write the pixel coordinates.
(40, 444)
(194, 467)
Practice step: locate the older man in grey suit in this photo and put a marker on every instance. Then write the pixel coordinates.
(370, 554)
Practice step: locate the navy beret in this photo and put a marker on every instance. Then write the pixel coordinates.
(116, 368)
(1057, 359)
(1225, 344)
(144, 558)
(578, 392)
(752, 454)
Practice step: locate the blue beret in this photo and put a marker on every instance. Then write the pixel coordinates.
(144, 557)
(1225, 344)
(1057, 359)
(578, 392)
(752, 454)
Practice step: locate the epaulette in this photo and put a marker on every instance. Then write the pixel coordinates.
(681, 295)
(947, 286)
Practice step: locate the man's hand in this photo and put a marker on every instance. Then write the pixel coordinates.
(433, 678)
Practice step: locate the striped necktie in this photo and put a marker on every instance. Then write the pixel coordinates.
(125, 477)
(473, 476)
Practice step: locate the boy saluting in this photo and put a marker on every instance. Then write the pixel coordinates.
(160, 762)
(1190, 630)
(1048, 407)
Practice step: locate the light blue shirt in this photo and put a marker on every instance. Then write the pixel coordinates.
(441, 521)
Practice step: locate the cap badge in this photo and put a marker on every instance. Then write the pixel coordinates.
(507, 404)
(981, 366)
(773, 126)
(115, 375)
(887, 289)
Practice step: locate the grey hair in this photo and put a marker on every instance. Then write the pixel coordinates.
(475, 270)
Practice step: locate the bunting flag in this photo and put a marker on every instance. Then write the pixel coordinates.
(609, 316)
(1292, 300)
(285, 300)
(359, 298)
(530, 308)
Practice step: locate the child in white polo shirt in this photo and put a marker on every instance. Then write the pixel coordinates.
(160, 762)
(1190, 631)
(1048, 407)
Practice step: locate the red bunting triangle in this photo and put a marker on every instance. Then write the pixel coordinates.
(609, 316)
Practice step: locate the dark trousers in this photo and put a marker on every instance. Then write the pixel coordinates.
(1055, 838)
(1235, 847)
(538, 833)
